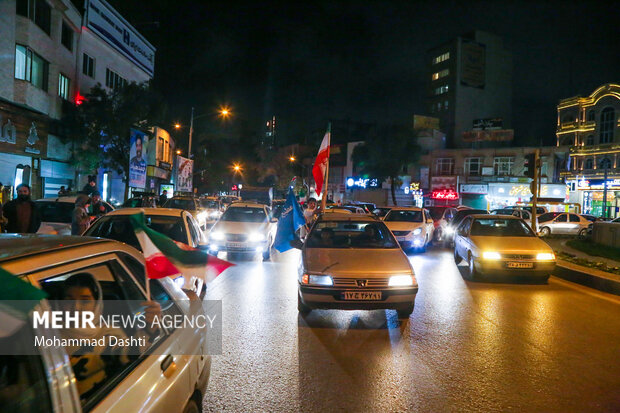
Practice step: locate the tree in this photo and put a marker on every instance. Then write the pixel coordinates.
(100, 127)
(386, 152)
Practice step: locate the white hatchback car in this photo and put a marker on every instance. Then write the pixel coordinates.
(57, 213)
(244, 227)
(413, 227)
(173, 381)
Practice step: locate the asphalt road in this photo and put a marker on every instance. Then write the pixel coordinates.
(468, 346)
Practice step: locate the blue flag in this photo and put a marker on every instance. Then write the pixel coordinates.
(290, 221)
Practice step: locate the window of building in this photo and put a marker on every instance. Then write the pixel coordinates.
(568, 118)
(444, 166)
(591, 115)
(590, 140)
(589, 163)
(36, 10)
(472, 166)
(88, 65)
(441, 58)
(64, 84)
(605, 163)
(441, 90)
(113, 80)
(161, 151)
(31, 67)
(440, 74)
(503, 165)
(606, 126)
(66, 36)
(445, 105)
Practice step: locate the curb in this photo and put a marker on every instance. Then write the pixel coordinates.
(588, 277)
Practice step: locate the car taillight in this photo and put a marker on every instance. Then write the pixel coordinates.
(305, 279)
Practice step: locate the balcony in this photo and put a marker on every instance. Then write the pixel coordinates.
(605, 148)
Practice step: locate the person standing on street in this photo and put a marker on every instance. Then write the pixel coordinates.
(91, 186)
(163, 198)
(21, 213)
(97, 206)
(80, 220)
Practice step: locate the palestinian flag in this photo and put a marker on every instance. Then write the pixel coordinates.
(165, 257)
(17, 299)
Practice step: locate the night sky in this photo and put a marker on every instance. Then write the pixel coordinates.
(365, 61)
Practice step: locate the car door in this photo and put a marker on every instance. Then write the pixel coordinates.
(574, 224)
(130, 386)
(461, 240)
(560, 224)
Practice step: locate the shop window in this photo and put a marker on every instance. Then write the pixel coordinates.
(606, 126)
(444, 166)
(503, 165)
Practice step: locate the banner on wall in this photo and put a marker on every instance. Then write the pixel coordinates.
(185, 169)
(138, 143)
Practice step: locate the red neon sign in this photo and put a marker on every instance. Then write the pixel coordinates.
(448, 195)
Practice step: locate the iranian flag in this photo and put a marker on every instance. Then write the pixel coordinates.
(320, 164)
(17, 299)
(165, 257)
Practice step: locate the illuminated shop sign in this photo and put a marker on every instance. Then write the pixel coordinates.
(597, 184)
(363, 183)
(523, 190)
(448, 195)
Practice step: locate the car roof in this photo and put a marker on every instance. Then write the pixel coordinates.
(170, 212)
(246, 205)
(183, 197)
(66, 199)
(19, 245)
(412, 208)
(335, 216)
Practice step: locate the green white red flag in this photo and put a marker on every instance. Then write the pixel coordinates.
(165, 257)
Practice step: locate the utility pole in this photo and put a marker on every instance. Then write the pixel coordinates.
(534, 189)
(605, 192)
(191, 132)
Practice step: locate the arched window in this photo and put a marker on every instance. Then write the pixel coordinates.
(606, 125)
(591, 115)
(590, 140)
(605, 163)
(589, 163)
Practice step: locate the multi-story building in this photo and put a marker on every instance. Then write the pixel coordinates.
(38, 45)
(591, 126)
(488, 178)
(470, 89)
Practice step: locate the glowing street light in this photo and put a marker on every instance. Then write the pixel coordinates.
(225, 112)
(178, 151)
(177, 126)
(237, 167)
(292, 158)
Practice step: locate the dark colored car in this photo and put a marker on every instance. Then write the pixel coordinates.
(448, 236)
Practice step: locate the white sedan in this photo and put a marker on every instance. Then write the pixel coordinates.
(245, 227)
(171, 372)
(413, 227)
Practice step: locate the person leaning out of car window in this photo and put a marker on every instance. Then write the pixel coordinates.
(94, 365)
(97, 206)
(80, 220)
(21, 214)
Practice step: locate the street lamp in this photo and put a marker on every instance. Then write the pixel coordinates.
(237, 168)
(225, 112)
(177, 126)
(292, 158)
(178, 151)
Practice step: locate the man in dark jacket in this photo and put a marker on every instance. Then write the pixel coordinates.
(22, 214)
(97, 206)
(163, 198)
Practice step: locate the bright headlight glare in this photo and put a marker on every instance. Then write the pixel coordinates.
(417, 231)
(325, 280)
(256, 236)
(400, 280)
(214, 214)
(202, 216)
(449, 230)
(491, 255)
(545, 256)
(218, 236)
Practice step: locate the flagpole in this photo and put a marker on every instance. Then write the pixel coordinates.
(148, 288)
(326, 183)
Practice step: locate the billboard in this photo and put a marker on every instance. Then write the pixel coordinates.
(108, 24)
(488, 124)
(425, 122)
(502, 135)
(185, 172)
(473, 64)
(138, 142)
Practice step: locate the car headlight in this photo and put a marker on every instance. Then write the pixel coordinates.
(545, 256)
(256, 237)
(217, 236)
(215, 214)
(491, 255)
(400, 281)
(417, 231)
(202, 216)
(449, 230)
(324, 280)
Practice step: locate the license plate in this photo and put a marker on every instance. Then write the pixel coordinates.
(520, 265)
(234, 245)
(362, 295)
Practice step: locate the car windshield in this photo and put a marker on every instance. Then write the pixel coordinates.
(381, 212)
(52, 211)
(209, 203)
(350, 234)
(118, 227)
(177, 203)
(244, 214)
(404, 216)
(436, 212)
(548, 216)
(500, 228)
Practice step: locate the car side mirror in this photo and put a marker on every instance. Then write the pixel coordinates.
(296, 243)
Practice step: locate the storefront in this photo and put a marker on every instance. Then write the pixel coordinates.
(444, 191)
(474, 195)
(501, 194)
(590, 194)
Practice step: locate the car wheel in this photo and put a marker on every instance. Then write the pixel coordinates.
(583, 234)
(473, 274)
(457, 257)
(267, 252)
(192, 407)
(301, 307)
(545, 231)
(405, 312)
